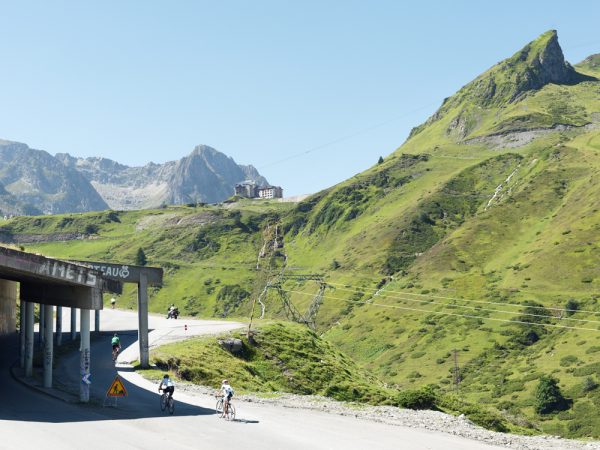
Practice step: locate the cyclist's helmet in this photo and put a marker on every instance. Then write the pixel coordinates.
(225, 381)
(166, 375)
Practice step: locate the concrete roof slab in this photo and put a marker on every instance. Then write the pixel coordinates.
(21, 266)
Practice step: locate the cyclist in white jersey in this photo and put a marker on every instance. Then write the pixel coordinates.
(167, 385)
(227, 392)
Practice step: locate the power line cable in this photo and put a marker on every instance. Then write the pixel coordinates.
(477, 308)
(348, 136)
(479, 301)
(250, 267)
(454, 314)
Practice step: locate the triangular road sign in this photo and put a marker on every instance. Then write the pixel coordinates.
(116, 389)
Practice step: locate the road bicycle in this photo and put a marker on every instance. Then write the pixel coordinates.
(115, 353)
(167, 402)
(230, 413)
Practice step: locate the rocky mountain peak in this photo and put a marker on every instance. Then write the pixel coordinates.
(537, 64)
(202, 150)
(545, 62)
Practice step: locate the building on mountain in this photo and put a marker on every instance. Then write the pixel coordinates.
(270, 192)
(249, 189)
(246, 189)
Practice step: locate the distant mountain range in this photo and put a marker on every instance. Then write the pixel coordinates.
(35, 182)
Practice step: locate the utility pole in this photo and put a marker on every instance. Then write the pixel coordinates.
(456, 370)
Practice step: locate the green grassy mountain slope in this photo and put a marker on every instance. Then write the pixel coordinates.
(478, 238)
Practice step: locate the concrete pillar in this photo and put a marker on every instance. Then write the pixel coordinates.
(84, 360)
(41, 326)
(143, 321)
(58, 326)
(73, 323)
(48, 343)
(8, 307)
(22, 332)
(29, 324)
(97, 321)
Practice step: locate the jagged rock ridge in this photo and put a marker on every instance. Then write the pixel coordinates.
(35, 182)
(206, 175)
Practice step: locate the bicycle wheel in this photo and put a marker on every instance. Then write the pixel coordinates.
(171, 405)
(230, 412)
(163, 402)
(219, 407)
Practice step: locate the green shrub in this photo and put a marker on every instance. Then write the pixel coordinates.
(424, 398)
(478, 415)
(548, 397)
(230, 297)
(568, 360)
(140, 257)
(589, 385)
(486, 419)
(588, 369)
(571, 306)
(91, 228)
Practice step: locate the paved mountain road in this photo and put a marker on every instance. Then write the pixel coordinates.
(29, 419)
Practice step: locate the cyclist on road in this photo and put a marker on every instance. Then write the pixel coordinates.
(116, 344)
(169, 386)
(227, 392)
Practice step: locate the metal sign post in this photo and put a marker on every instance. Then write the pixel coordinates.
(116, 390)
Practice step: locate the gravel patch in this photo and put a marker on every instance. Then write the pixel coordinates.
(427, 420)
(520, 138)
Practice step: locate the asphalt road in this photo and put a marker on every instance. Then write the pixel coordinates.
(29, 419)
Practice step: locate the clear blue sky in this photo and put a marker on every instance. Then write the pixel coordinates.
(140, 81)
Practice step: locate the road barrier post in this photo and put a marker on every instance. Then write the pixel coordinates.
(22, 332)
(143, 321)
(29, 307)
(73, 323)
(58, 326)
(41, 326)
(84, 360)
(48, 342)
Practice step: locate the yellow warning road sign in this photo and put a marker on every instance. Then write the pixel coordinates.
(116, 389)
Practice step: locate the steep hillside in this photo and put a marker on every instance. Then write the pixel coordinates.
(469, 258)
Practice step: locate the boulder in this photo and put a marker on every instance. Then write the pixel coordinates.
(232, 345)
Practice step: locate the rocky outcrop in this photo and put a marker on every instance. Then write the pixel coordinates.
(207, 175)
(232, 345)
(537, 64)
(21, 238)
(35, 182)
